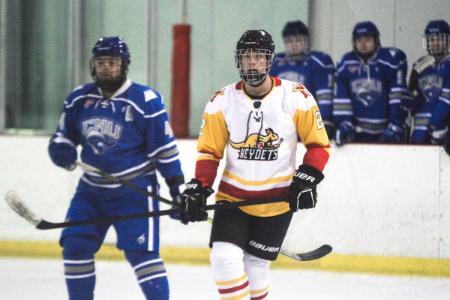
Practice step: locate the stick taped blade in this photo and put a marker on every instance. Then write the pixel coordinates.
(15, 202)
(311, 255)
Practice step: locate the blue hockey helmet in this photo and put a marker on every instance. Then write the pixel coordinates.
(366, 28)
(112, 46)
(437, 37)
(295, 28)
(437, 26)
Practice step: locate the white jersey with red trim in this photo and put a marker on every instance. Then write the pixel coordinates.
(260, 138)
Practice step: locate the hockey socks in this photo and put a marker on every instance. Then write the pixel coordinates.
(239, 275)
(258, 271)
(79, 268)
(227, 262)
(150, 273)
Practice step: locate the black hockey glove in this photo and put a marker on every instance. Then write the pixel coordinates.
(302, 191)
(174, 183)
(193, 202)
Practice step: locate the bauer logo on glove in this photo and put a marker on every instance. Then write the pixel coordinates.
(302, 191)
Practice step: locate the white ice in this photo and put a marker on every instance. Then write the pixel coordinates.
(42, 279)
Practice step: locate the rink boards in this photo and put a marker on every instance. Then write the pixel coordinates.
(384, 209)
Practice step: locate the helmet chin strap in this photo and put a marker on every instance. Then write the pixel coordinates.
(259, 83)
(253, 78)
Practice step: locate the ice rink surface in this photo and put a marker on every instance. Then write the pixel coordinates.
(41, 279)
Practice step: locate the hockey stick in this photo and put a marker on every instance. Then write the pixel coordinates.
(124, 182)
(15, 202)
(310, 255)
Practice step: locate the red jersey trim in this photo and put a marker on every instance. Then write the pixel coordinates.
(238, 193)
(277, 81)
(316, 156)
(206, 171)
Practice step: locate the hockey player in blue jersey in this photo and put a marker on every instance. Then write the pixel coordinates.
(313, 69)
(370, 89)
(430, 84)
(123, 129)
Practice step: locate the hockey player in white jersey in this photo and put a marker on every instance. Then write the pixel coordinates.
(258, 122)
(123, 129)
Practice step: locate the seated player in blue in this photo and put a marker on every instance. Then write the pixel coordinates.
(123, 129)
(429, 83)
(313, 69)
(370, 90)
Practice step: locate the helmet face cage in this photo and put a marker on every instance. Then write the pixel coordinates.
(254, 64)
(436, 37)
(110, 47)
(436, 44)
(254, 56)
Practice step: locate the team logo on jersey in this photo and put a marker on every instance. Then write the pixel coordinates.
(141, 239)
(430, 86)
(292, 76)
(101, 133)
(258, 146)
(367, 91)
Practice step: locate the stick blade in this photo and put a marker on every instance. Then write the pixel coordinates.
(311, 255)
(15, 202)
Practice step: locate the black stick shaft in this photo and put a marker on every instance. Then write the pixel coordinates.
(110, 219)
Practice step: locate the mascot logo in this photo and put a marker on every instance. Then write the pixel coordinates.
(259, 147)
(101, 134)
(431, 86)
(367, 91)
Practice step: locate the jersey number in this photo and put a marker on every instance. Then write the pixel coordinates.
(168, 129)
(319, 121)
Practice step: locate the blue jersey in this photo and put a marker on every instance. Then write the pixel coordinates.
(426, 84)
(369, 94)
(441, 111)
(127, 136)
(316, 72)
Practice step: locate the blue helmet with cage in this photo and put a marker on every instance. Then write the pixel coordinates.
(112, 46)
(437, 37)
